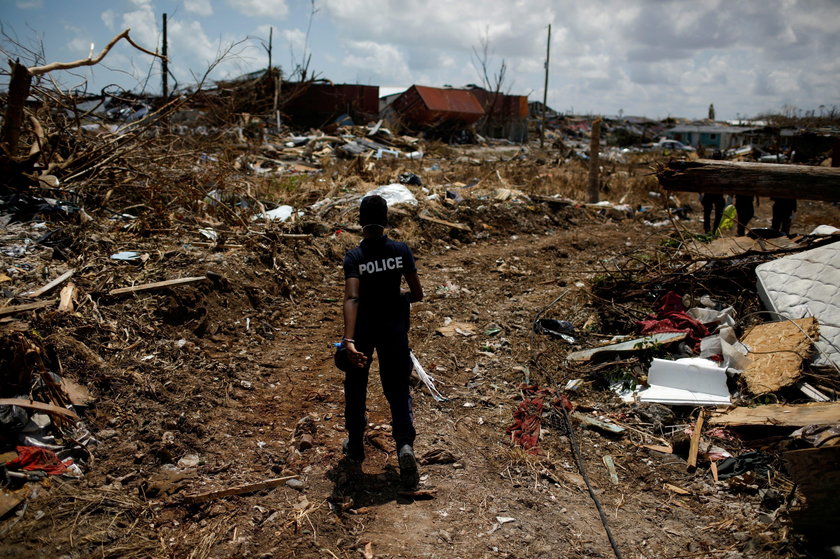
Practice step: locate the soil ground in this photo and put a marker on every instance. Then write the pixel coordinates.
(238, 370)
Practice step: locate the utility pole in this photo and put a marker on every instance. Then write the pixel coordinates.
(594, 163)
(165, 61)
(270, 35)
(545, 88)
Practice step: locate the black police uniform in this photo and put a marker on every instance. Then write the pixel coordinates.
(382, 325)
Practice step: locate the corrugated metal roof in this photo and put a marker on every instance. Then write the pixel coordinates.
(450, 100)
(431, 106)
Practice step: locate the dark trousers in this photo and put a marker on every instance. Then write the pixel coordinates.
(710, 201)
(783, 209)
(395, 366)
(745, 210)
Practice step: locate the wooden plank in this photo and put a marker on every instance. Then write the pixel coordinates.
(68, 293)
(781, 415)
(630, 346)
(50, 286)
(424, 215)
(8, 501)
(156, 285)
(588, 421)
(776, 353)
(752, 179)
(694, 447)
(27, 307)
(238, 490)
(40, 406)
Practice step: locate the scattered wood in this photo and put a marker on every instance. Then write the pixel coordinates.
(424, 215)
(40, 406)
(694, 447)
(730, 247)
(664, 449)
(78, 394)
(674, 489)
(630, 346)
(27, 307)
(51, 285)
(781, 415)
(238, 490)
(752, 179)
(714, 470)
(68, 294)
(777, 350)
(455, 327)
(610, 464)
(588, 421)
(9, 501)
(812, 392)
(156, 285)
(550, 200)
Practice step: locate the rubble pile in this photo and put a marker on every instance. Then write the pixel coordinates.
(170, 291)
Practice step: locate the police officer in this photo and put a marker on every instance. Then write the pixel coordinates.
(376, 317)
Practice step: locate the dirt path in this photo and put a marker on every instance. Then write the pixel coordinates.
(240, 397)
(494, 500)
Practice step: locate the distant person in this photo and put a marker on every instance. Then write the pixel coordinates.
(745, 210)
(783, 210)
(712, 202)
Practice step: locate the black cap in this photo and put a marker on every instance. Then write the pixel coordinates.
(373, 211)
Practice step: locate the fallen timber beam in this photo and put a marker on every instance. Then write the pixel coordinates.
(802, 182)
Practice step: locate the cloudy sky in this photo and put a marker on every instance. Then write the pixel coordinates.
(647, 57)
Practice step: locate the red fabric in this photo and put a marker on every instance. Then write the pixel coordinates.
(673, 318)
(36, 458)
(525, 431)
(527, 417)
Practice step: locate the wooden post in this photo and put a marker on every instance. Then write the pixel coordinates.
(164, 49)
(594, 165)
(545, 88)
(270, 37)
(694, 447)
(18, 92)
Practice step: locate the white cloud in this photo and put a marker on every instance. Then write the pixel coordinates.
(29, 4)
(295, 37)
(199, 7)
(142, 22)
(376, 63)
(275, 9)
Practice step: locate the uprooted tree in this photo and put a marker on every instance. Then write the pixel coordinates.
(16, 169)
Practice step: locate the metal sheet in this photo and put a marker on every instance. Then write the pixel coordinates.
(430, 106)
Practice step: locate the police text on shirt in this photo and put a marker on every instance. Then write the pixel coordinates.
(395, 263)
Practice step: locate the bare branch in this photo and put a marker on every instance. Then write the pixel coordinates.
(38, 70)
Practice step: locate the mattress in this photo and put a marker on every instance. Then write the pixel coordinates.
(807, 284)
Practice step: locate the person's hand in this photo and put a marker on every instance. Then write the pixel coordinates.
(357, 358)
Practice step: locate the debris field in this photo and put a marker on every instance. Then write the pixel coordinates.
(603, 378)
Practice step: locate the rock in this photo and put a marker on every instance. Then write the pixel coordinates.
(189, 461)
(305, 442)
(106, 434)
(295, 484)
(306, 425)
(657, 415)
